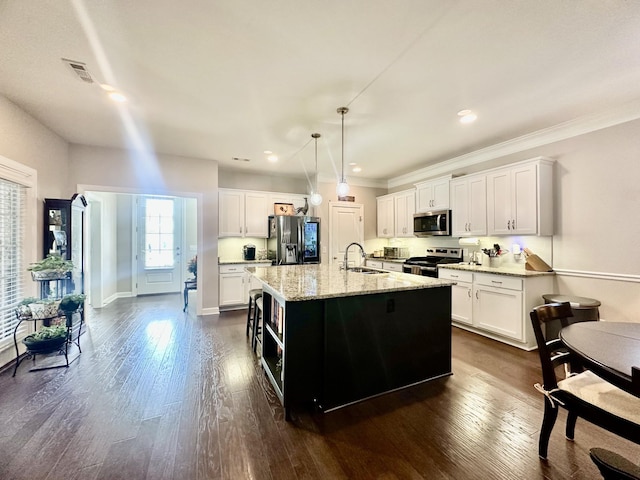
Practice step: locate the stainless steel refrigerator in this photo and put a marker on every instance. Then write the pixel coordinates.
(293, 239)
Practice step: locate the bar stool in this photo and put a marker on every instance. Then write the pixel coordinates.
(257, 317)
(254, 294)
(584, 310)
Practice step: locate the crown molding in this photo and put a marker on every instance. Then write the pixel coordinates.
(562, 131)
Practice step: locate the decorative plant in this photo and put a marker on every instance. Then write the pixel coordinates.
(193, 266)
(71, 302)
(23, 307)
(53, 262)
(46, 333)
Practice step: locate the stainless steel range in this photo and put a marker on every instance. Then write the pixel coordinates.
(428, 265)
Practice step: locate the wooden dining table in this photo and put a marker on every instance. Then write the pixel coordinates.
(611, 350)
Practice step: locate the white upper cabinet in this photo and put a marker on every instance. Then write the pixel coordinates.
(231, 213)
(395, 214)
(256, 213)
(243, 213)
(433, 194)
(520, 199)
(386, 227)
(404, 208)
(469, 206)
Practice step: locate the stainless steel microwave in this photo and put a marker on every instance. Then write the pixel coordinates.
(426, 224)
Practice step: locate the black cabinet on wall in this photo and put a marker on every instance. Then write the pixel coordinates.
(64, 234)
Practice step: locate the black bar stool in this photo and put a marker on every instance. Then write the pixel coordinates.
(254, 295)
(257, 317)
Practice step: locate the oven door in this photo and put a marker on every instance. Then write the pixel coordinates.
(427, 271)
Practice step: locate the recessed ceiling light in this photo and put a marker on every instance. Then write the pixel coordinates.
(107, 87)
(267, 152)
(272, 158)
(356, 169)
(467, 116)
(117, 97)
(352, 164)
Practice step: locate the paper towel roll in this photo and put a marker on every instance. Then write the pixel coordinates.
(469, 241)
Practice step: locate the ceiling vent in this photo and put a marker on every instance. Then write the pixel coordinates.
(80, 69)
(240, 159)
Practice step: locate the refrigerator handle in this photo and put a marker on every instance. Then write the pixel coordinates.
(300, 242)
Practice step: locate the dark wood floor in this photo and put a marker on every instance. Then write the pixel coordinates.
(161, 394)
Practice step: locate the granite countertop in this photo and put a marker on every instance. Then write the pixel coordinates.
(241, 262)
(314, 282)
(515, 271)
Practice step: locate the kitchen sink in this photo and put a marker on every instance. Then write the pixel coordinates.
(369, 271)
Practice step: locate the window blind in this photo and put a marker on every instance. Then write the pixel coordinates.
(12, 267)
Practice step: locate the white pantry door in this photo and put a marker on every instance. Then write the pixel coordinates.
(159, 239)
(346, 225)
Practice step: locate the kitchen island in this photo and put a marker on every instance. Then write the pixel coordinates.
(333, 337)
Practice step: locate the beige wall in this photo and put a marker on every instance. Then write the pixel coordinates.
(27, 141)
(262, 182)
(124, 171)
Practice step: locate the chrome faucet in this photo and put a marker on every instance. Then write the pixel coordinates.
(346, 253)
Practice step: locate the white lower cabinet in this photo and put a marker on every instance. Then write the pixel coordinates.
(392, 266)
(461, 295)
(495, 305)
(235, 284)
(382, 265)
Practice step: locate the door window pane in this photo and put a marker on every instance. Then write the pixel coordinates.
(158, 251)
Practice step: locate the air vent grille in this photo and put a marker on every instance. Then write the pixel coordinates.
(80, 69)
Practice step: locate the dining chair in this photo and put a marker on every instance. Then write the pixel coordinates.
(582, 393)
(613, 466)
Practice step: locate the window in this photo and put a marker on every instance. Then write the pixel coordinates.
(158, 233)
(12, 265)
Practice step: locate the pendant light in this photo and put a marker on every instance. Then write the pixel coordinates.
(316, 198)
(343, 187)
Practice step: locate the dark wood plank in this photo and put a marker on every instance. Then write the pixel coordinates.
(162, 394)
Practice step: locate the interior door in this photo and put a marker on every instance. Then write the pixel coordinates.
(159, 239)
(346, 225)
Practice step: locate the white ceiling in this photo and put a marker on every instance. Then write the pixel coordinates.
(232, 78)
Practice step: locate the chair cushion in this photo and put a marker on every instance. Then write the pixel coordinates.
(596, 391)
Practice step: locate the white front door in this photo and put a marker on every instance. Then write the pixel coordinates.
(159, 258)
(346, 225)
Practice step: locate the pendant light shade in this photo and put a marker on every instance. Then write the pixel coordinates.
(343, 187)
(316, 198)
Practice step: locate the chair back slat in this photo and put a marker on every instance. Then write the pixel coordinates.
(550, 358)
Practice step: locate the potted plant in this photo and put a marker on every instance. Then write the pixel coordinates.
(50, 268)
(43, 309)
(71, 302)
(193, 266)
(47, 339)
(23, 307)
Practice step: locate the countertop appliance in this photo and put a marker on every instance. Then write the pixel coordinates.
(294, 239)
(428, 265)
(427, 224)
(249, 252)
(396, 252)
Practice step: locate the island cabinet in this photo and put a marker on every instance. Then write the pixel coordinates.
(332, 338)
(496, 305)
(329, 353)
